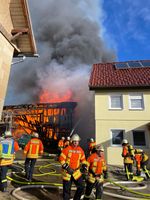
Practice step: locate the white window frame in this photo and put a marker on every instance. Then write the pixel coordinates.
(113, 95)
(146, 139)
(111, 136)
(136, 96)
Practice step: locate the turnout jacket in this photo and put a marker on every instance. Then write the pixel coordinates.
(8, 147)
(74, 157)
(140, 157)
(97, 167)
(61, 144)
(91, 145)
(128, 154)
(33, 148)
(66, 144)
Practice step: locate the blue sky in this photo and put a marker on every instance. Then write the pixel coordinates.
(127, 28)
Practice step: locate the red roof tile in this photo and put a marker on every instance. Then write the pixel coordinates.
(106, 75)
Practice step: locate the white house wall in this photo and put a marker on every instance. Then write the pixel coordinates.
(125, 119)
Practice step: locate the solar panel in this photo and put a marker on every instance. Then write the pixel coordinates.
(134, 64)
(145, 63)
(122, 65)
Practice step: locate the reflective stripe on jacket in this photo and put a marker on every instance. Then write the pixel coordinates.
(33, 148)
(97, 165)
(9, 161)
(73, 156)
(141, 157)
(144, 157)
(128, 154)
(76, 174)
(7, 148)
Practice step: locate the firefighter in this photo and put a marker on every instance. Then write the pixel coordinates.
(72, 159)
(97, 173)
(67, 142)
(8, 147)
(61, 145)
(141, 159)
(91, 145)
(32, 150)
(128, 155)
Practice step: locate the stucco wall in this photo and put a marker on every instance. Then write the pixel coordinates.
(6, 52)
(126, 119)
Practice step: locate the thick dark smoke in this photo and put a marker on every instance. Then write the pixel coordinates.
(68, 37)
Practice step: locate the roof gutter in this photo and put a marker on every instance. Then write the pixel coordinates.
(119, 88)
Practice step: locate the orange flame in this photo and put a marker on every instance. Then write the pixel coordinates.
(46, 96)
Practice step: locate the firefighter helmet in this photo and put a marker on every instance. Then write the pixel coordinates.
(35, 135)
(138, 150)
(75, 137)
(125, 141)
(8, 134)
(68, 138)
(91, 140)
(99, 148)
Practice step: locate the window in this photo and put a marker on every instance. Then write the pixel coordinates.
(136, 101)
(139, 138)
(116, 101)
(117, 136)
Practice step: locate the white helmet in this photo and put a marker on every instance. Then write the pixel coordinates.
(91, 139)
(68, 138)
(99, 148)
(35, 135)
(63, 138)
(125, 141)
(75, 137)
(138, 150)
(8, 133)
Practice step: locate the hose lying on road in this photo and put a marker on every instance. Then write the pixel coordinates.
(141, 187)
(17, 196)
(118, 183)
(59, 186)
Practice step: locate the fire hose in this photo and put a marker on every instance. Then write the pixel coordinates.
(130, 190)
(59, 186)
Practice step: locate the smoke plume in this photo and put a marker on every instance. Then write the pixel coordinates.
(69, 41)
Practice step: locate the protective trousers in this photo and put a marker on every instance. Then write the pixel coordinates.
(67, 188)
(144, 168)
(99, 190)
(128, 170)
(29, 167)
(3, 179)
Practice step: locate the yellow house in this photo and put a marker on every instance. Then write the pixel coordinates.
(122, 106)
(16, 38)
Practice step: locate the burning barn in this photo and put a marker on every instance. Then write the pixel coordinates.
(50, 120)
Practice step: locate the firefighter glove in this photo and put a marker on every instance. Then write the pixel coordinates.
(84, 168)
(65, 166)
(70, 171)
(91, 171)
(105, 175)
